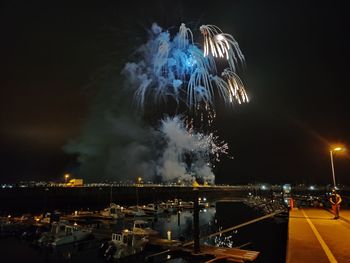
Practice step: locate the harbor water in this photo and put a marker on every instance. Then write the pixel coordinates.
(268, 236)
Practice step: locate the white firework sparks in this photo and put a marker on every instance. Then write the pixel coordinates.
(235, 86)
(222, 45)
(178, 68)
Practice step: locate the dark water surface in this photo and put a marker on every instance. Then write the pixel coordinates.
(268, 236)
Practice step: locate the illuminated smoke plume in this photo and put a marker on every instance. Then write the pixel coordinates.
(188, 154)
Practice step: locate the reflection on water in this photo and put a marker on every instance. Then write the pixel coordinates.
(181, 223)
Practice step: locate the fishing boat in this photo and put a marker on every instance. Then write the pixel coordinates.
(168, 206)
(113, 212)
(57, 228)
(134, 211)
(185, 205)
(142, 227)
(152, 209)
(124, 245)
(71, 234)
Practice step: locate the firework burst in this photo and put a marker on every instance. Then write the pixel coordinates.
(177, 68)
(222, 45)
(234, 87)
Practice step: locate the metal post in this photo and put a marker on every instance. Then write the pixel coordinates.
(137, 197)
(196, 222)
(333, 173)
(111, 195)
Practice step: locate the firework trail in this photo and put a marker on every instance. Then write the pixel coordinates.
(175, 67)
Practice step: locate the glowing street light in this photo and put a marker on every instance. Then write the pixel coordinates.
(66, 177)
(334, 149)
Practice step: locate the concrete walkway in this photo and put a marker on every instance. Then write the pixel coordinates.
(314, 236)
(345, 215)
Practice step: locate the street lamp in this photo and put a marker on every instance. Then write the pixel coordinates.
(66, 177)
(335, 149)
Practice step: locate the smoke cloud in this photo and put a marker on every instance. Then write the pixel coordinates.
(115, 144)
(188, 154)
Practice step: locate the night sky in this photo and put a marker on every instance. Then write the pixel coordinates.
(297, 55)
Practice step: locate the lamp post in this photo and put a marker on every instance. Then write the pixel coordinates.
(336, 149)
(66, 177)
(139, 181)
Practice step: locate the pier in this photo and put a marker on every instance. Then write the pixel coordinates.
(315, 237)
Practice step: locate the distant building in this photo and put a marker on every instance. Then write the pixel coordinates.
(75, 182)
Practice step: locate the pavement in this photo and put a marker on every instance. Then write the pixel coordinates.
(315, 237)
(345, 215)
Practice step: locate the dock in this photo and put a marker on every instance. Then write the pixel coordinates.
(209, 254)
(225, 254)
(315, 237)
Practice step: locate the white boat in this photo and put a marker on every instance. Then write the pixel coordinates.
(168, 206)
(185, 205)
(125, 244)
(82, 214)
(71, 234)
(113, 211)
(141, 227)
(152, 209)
(57, 228)
(134, 211)
(202, 203)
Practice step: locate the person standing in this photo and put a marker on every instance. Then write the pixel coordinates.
(335, 200)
